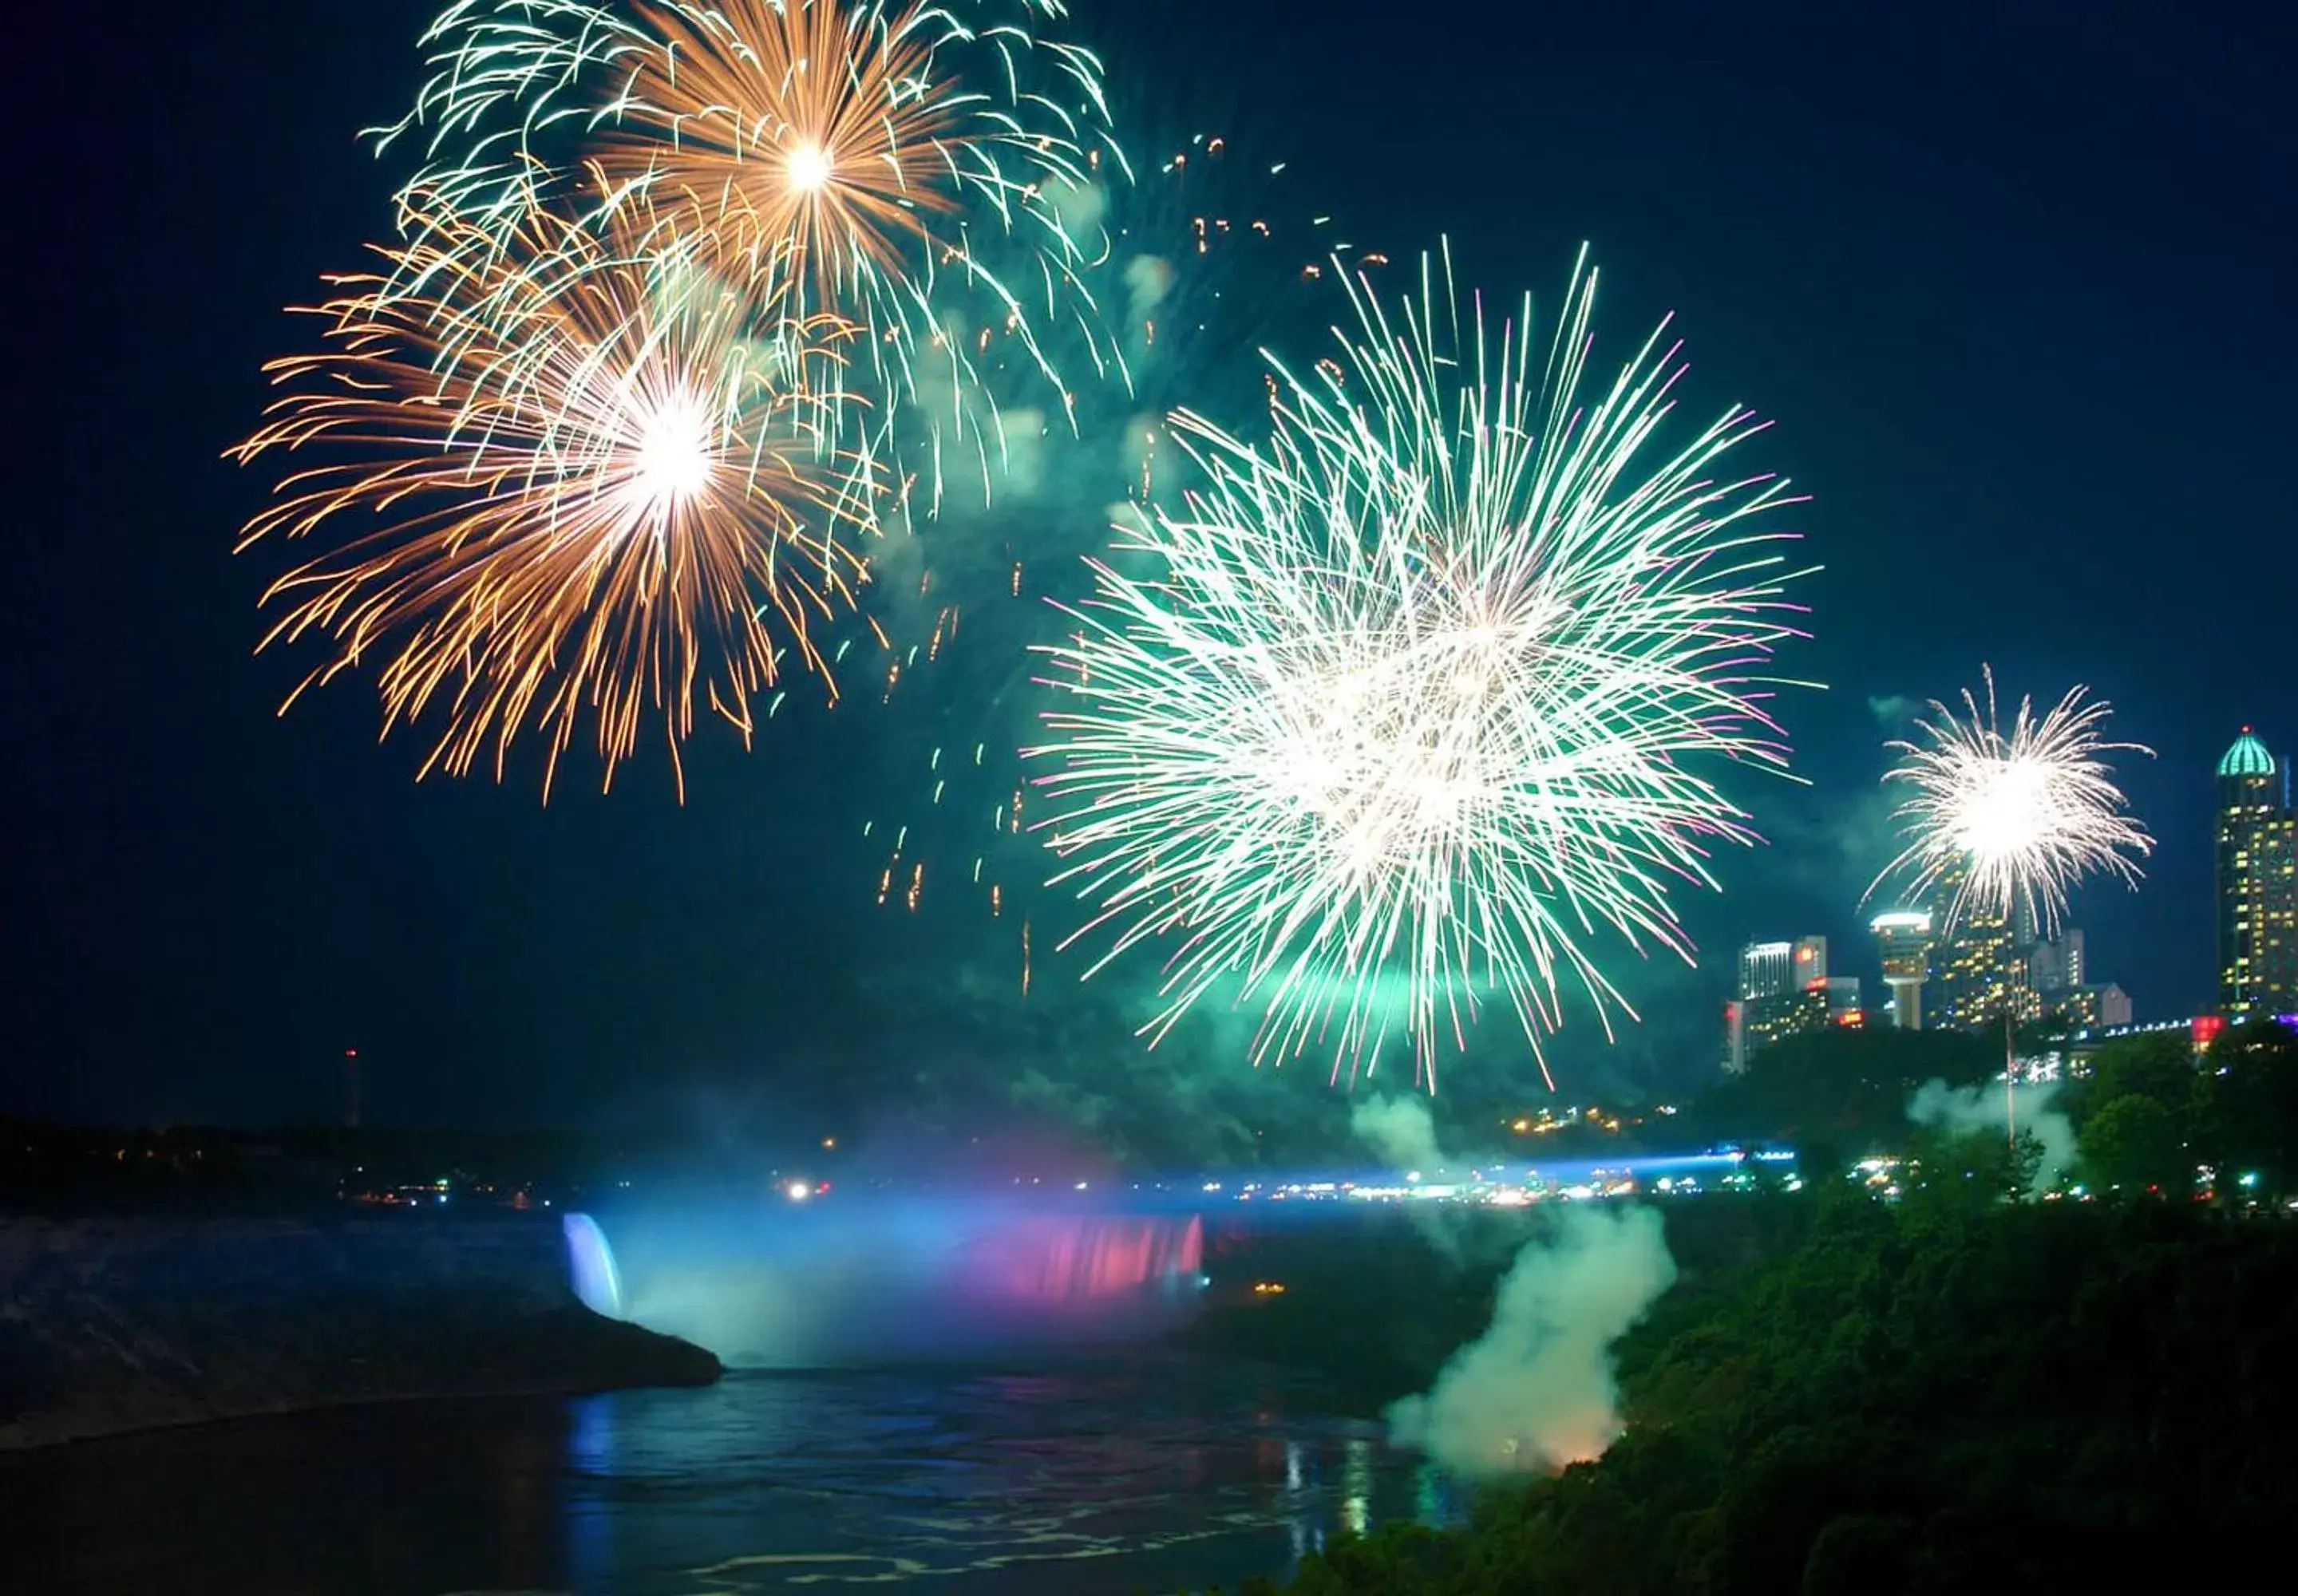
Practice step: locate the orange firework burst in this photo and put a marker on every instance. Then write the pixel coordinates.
(838, 131)
(812, 127)
(586, 476)
(930, 171)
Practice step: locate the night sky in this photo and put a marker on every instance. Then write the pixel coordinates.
(2017, 292)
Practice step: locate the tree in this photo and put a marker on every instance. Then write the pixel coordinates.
(2133, 1142)
(2247, 1110)
(1848, 1089)
(2159, 1066)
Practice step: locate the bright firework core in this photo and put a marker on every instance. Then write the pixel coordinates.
(809, 168)
(675, 455)
(2013, 816)
(2008, 809)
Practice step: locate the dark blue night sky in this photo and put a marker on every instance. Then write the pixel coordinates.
(2015, 282)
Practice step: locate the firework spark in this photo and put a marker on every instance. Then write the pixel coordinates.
(1206, 259)
(583, 480)
(1409, 696)
(881, 146)
(2020, 815)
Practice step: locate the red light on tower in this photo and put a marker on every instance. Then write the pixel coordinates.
(2206, 1027)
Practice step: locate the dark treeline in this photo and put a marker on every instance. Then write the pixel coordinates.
(1938, 1396)
(75, 1169)
(1838, 1094)
(1955, 1391)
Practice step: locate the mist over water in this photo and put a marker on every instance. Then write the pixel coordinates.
(773, 1281)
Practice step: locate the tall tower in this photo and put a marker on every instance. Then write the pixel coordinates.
(2257, 883)
(1905, 935)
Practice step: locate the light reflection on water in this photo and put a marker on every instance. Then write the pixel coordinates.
(1117, 1480)
(1100, 1480)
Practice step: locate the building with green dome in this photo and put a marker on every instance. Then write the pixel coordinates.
(2257, 884)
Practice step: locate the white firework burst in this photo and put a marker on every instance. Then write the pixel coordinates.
(1407, 700)
(2020, 816)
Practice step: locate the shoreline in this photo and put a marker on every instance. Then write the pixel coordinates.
(110, 1328)
(11, 1447)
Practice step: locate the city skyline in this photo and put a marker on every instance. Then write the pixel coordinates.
(216, 902)
(1965, 979)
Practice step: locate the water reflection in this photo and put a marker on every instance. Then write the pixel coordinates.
(1096, 1481)
(1355, 1487)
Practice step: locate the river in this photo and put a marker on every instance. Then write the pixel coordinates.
(1107, 1479)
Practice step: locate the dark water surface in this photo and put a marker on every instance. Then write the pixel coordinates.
(1092, 1480)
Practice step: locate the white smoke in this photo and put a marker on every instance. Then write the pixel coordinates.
(1537, 1390)
(1400, 1129)
(1148, 279)
(1893, 710)
(1400, 1132)
(1982, 1108)
(1078, 207)
(1021, 446)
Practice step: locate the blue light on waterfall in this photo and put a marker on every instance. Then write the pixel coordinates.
(591, 1264)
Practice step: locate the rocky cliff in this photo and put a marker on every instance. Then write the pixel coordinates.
(114, 1325)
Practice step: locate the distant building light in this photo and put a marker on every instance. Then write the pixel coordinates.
(1904, 920)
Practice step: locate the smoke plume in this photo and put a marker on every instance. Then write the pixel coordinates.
(1970, 1109)
(1537, 1390)
(1398, 1129)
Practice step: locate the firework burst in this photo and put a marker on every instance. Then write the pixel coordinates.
(2019, 815)
(1406, 700)
(931, 169)
(574, 477)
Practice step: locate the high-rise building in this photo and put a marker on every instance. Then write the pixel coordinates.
(2058, 964)
(2089, 1007)
(1979, 967)
(1766, 968)
(2058, 972)
(1771, 1002)
(1831, 1003)
(2257, 884)
(1904, 936)
(1977, 971)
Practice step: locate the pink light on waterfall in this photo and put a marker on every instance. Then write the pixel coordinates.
(1081, 1259)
